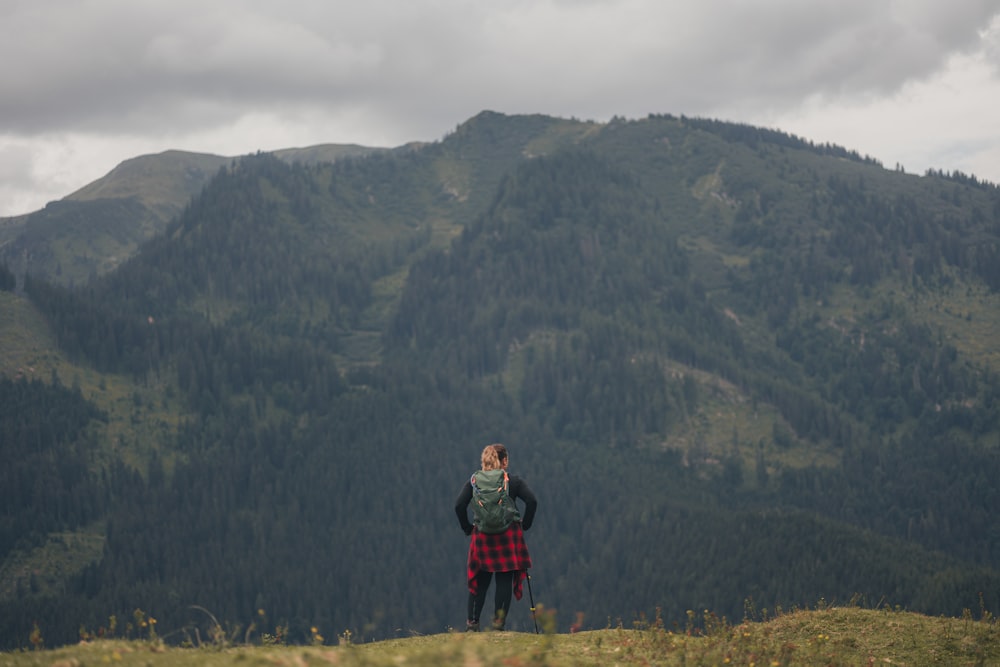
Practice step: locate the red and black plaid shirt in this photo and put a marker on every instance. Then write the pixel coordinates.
(499, 552)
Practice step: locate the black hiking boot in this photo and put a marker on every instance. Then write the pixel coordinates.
(472, 626)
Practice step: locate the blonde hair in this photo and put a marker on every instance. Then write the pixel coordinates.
(493, 457)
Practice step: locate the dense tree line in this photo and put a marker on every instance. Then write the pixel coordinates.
(8, 281)
(336, 525)
(574, 218)
(859, 233)
(299, 522)
(934, 491)
(46, 483)
(756, 136)
(89, 231)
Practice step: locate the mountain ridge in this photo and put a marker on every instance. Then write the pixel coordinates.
(153, 187)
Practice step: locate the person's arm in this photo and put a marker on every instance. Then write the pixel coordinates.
(461, 508)
(519, 489)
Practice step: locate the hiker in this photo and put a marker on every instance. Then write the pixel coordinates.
(497, 547)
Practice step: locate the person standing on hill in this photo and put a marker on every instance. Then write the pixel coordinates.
(497, 547)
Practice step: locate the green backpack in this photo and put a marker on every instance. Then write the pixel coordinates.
(493, 510)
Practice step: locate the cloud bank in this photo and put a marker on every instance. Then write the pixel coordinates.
(90, 83)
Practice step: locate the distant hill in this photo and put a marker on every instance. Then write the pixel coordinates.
(166, 180)
(738, 368)
(92, 230)
(324, 153)
(97, 227)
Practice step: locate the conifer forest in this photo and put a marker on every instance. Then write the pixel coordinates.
(737, 368)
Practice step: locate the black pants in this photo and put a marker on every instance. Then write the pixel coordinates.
(502, 595)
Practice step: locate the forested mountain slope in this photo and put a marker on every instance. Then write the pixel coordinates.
(91, 231)
(94, 229)
(732, 364)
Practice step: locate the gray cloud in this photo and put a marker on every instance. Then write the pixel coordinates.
(116, 65)
(400, 71)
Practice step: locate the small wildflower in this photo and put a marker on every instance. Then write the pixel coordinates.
(36, 637)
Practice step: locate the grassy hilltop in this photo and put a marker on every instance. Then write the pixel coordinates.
(828, 636)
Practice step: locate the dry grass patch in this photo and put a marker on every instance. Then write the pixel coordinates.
(824, 637)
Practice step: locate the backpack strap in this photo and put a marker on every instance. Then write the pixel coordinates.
(503, 489)
(475, 490)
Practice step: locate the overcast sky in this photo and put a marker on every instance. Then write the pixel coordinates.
(85, 84)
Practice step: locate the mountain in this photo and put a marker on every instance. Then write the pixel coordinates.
(90, 231)
(738, 368)
(95, 228)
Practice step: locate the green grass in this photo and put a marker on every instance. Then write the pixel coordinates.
(826, 636)
(141, 415)
(45, 569)
(559, 135)
(162, 182)
(968, 317)
(965, 314)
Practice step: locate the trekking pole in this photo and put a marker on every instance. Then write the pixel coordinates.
(531, 599)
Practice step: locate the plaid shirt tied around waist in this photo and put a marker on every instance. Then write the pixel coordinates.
(499, 552)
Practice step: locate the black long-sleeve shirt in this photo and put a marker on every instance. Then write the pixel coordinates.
(517, 489)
